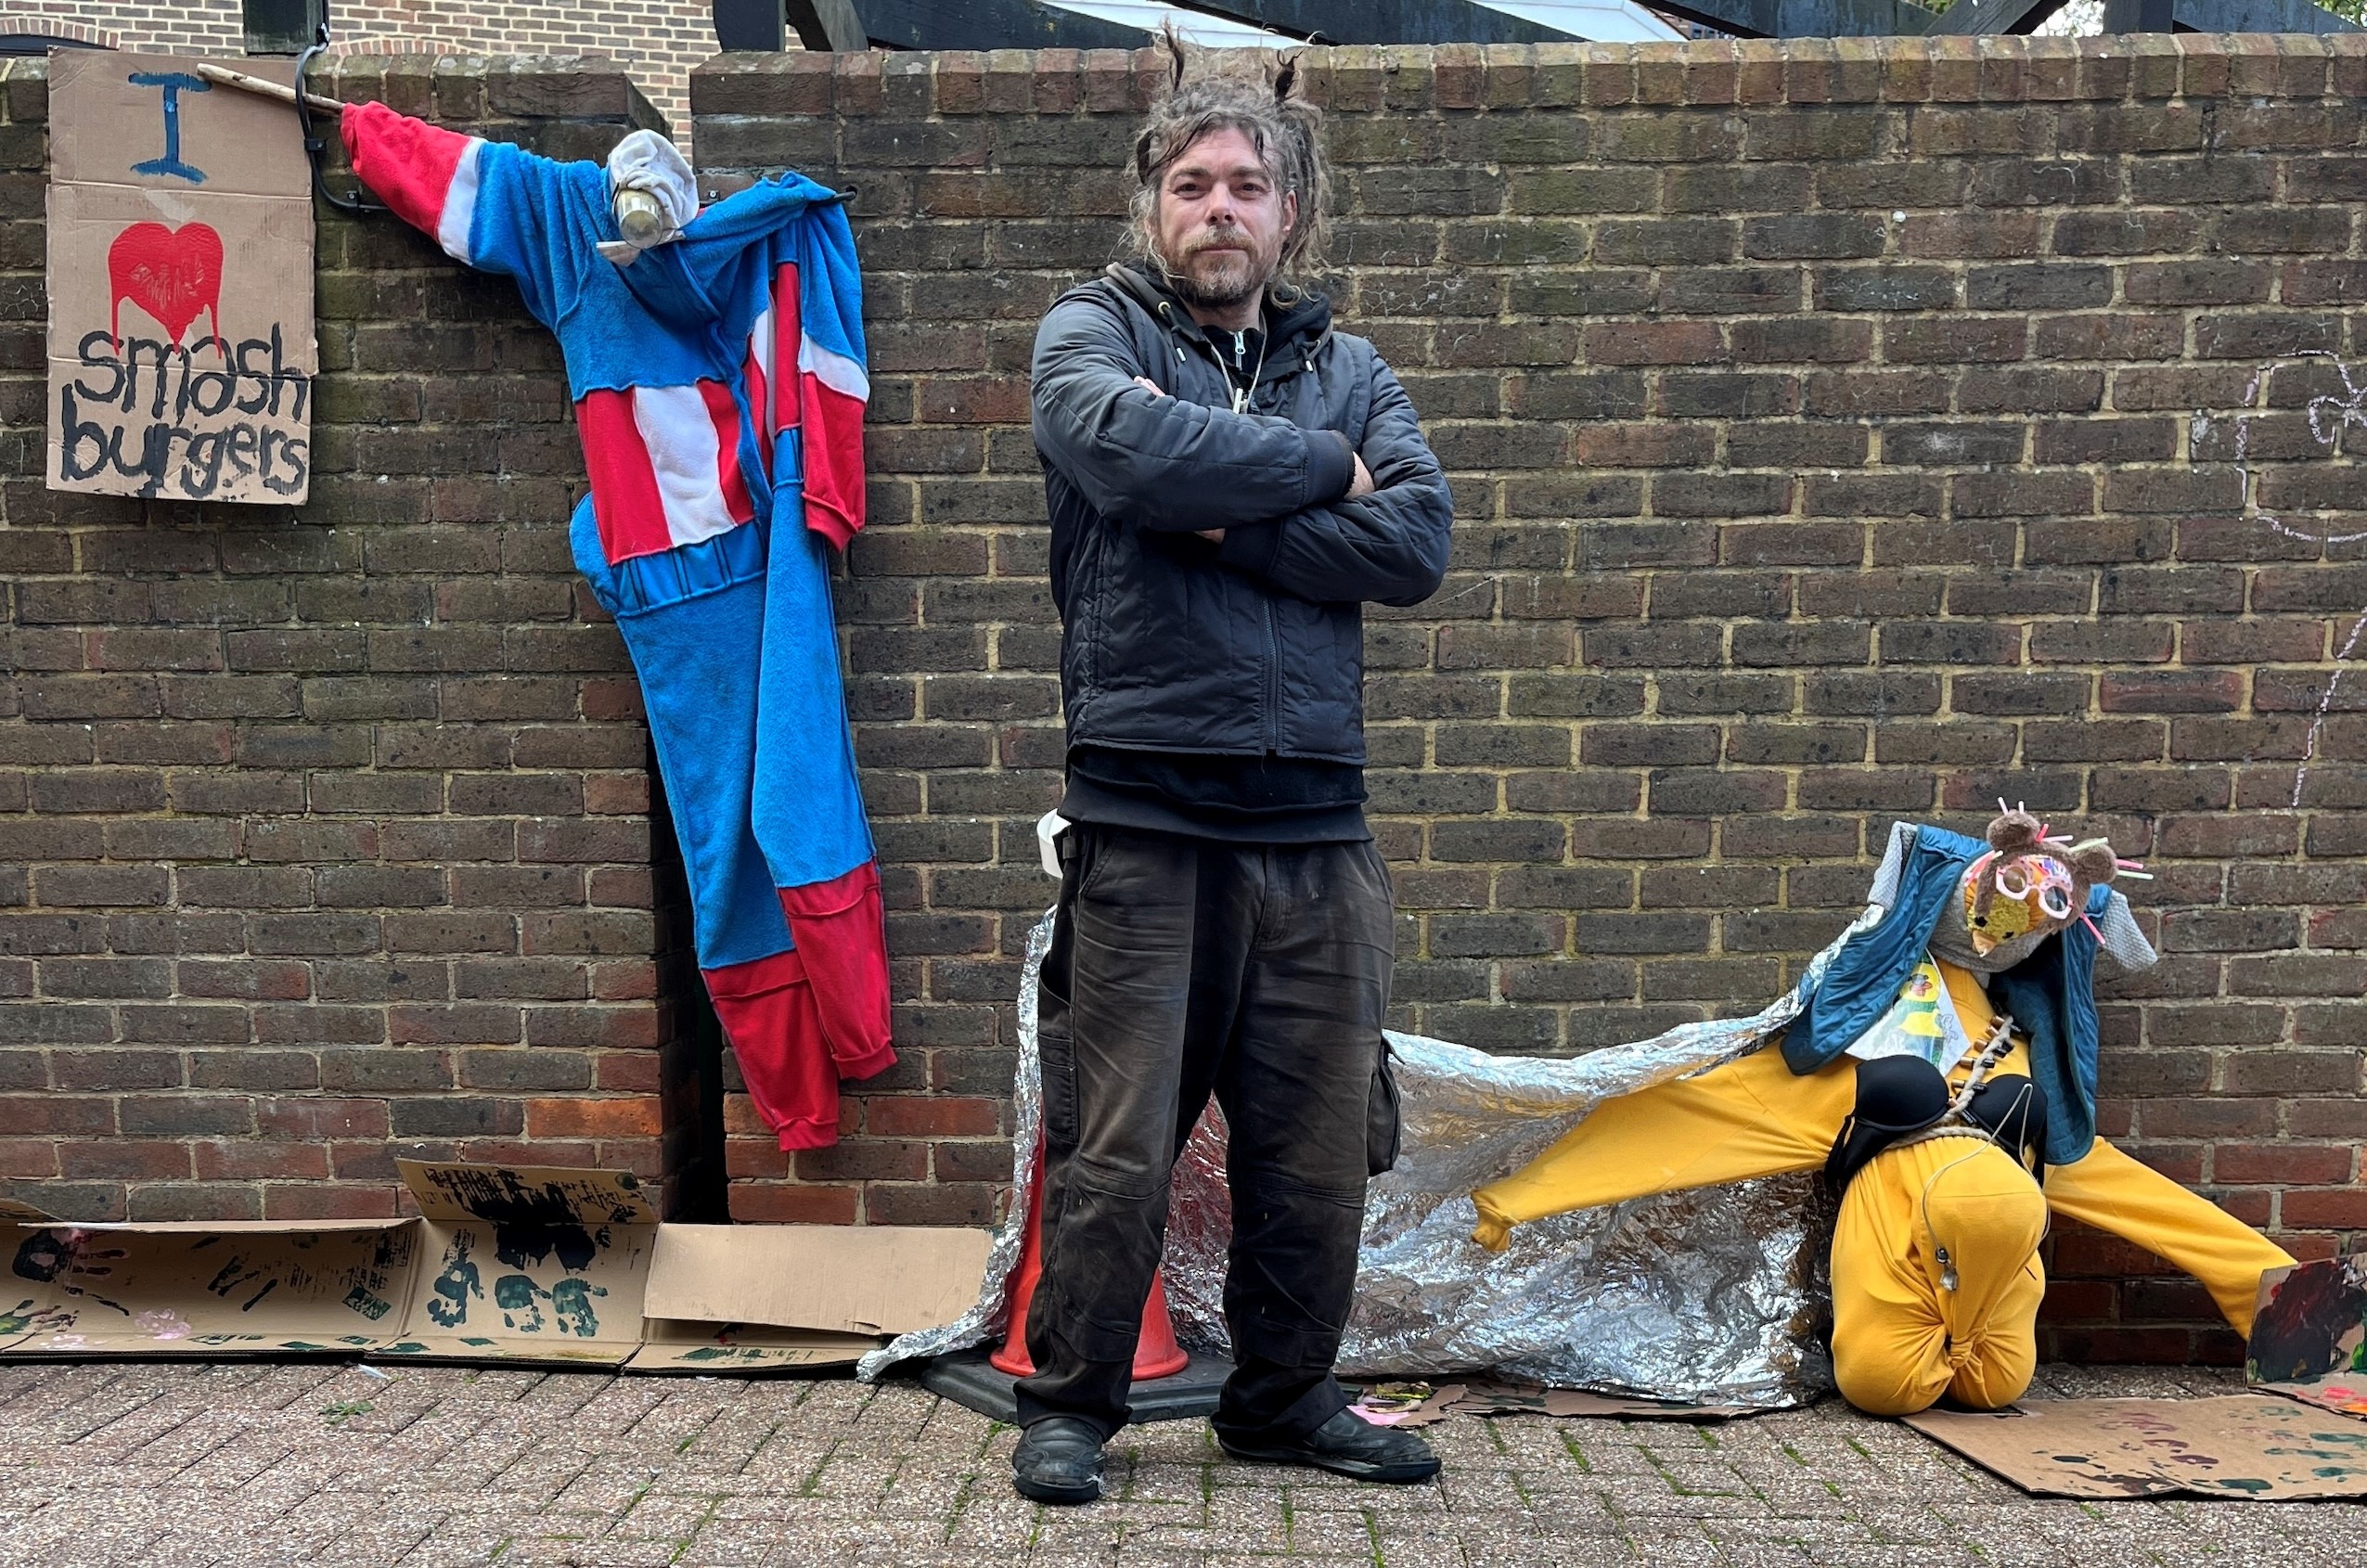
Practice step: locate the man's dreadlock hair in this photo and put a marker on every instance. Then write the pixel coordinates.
(1281, 125)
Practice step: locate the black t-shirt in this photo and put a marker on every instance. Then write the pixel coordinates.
(1254, 800)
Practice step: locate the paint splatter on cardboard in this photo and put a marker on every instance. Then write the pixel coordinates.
(2243, 1446)
(2309, 1334)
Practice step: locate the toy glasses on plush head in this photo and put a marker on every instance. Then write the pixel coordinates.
(2029, 884)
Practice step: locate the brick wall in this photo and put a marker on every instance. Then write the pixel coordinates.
(1822, 421)
(1824, 425)
(324, 834)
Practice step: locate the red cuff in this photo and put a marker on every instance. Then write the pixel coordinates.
(767, 1012)
(841, 933)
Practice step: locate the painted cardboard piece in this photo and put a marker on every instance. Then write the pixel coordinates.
(2242, 1445)
(181, 347)
(204, 1289)
(1419, 1404)
(526, 1263)
(674, 1345)
(536, 1266)
(2309, 1334)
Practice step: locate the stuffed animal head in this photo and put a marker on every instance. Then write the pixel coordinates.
(2030, 884)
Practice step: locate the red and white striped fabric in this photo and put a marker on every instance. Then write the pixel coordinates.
(664, 463)
(823, 401)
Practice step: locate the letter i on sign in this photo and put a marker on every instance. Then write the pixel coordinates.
(174, 84)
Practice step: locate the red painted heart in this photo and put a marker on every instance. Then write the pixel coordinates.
(173, 274)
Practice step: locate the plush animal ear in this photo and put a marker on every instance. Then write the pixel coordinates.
(2093, 863)
(1286, 78)
(1171, 39)
(2014, 832)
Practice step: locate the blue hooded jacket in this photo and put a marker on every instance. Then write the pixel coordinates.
(2050, 994)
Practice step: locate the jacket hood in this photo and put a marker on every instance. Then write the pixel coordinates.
(1295, 327)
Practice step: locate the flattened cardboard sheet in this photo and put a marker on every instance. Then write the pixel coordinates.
(181, 346)
(2242, 1445)
(205, 1290)
(1421, 1404)
(537, 1265)
(671, 1344)
(2309, 1334)
(526, 1263)
(848, 1279)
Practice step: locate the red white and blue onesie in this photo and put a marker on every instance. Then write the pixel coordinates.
(719, 388)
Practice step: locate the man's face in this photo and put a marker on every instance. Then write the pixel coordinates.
(1220, 220)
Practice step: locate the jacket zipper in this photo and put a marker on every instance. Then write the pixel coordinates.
(1273, 677)
(1265, 600)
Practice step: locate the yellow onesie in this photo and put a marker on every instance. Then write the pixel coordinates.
(1900, 1337)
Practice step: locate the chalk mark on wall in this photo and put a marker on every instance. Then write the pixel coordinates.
(2328, 414)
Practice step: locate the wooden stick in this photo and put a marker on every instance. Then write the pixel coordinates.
(256, 85)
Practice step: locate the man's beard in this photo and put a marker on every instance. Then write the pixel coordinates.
(1240, 276)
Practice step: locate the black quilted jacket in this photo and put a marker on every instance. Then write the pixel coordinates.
(1175, 644)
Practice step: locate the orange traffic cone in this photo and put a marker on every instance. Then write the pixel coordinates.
(1156, 1353)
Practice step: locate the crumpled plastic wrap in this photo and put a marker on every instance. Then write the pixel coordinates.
(1712, 1296)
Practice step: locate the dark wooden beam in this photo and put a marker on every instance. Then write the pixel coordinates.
(990, 24)
(766, 26)
(1385, 21)
(828, 24)
(2258, 16)
(1967, 17)
(2147, 16)
(1806, 18)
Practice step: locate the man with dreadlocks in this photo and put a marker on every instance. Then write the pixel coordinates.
(1230, 479)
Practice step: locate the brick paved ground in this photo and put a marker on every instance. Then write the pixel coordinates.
(253, 1465)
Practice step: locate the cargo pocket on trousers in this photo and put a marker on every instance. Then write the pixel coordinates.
(1382, 1127)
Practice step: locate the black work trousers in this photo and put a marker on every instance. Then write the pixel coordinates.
(1180, 966)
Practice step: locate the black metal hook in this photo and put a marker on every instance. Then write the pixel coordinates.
(316, 145)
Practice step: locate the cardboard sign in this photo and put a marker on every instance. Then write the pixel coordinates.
(199, 1290)
(2309, 1334)
(181, 349)
(526, 1263)
(2243, 1446)
(507, 1265)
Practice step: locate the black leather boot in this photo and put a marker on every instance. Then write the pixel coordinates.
(1059, 1460)
(1345, 1445)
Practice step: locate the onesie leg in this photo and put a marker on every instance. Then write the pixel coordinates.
(2111, 1192)
(1752, 1117)
(693, 619)
(766, 1009)
(808, 807)
(1901, 1336)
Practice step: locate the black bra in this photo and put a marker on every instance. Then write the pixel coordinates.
(1898, 1096)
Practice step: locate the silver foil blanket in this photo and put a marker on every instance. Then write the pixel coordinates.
(1709, 1296)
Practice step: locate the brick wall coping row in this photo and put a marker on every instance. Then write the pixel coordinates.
(474, 89)
(1700, 73)
(1703, 73)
